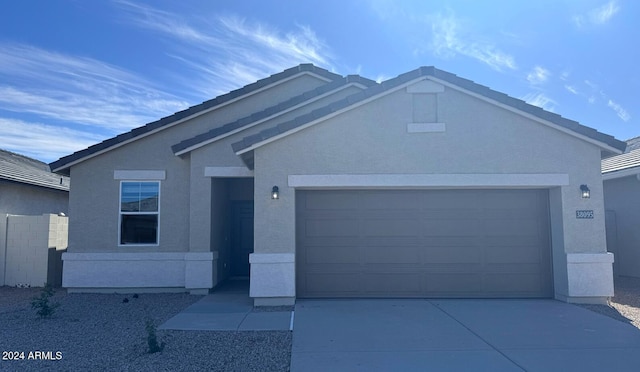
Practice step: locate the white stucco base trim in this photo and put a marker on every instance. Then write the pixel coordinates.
(590, 275)
(428, 180)
(192, 271)
(273, 278)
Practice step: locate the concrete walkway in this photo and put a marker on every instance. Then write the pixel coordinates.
(228, 309)
(459, 335)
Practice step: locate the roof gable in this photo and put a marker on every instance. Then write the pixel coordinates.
(21, 169)
(63, 164)
(269, 113)
(245, 147)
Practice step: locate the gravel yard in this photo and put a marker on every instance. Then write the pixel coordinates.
(101, 332)
(625, 305)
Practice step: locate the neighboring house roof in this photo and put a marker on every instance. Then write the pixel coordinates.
(245, 147)
(22, 169)
(627, 164)
(63, 164)
(633, 144)
(267, 114)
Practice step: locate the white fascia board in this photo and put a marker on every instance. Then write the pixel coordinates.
(258, 122)
(328, 116)
(621, 173)
(195, 115)
(428, 180)
(529, 116)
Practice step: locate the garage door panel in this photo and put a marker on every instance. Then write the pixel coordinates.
(401, 254)
(390, 227)
(331, 283)
(381, 284)
(331, 227)
(423, 243)
(451, 199)
(511, 227)
(453, 285)
(451, 227)
(336, 200)
(393, 200)
(332, 255)
(512, 254)
(430, 213)
(453, 255)
(506, 283)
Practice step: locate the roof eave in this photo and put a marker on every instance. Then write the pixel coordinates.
(604, 146)
(262, 120)
(330, 115)
(621, 173)
(62, 166)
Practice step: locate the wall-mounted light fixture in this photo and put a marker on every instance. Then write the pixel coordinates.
(585, 192)
(275, 192)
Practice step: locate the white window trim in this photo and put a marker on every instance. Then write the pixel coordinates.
(157, 243)
(138, 175)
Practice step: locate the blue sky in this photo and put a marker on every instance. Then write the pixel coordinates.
(73, 73)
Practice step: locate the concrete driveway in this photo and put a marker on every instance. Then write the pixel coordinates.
(459, 335)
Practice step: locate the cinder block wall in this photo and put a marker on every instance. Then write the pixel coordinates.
(34, 248)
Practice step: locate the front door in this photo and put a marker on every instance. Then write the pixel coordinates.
(241, 237)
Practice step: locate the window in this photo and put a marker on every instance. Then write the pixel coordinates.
(139, 212)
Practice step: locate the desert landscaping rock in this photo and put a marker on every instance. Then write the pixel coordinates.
(100, 332)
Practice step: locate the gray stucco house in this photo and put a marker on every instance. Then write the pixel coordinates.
(621, 175)
(27, 187)
(319, 185)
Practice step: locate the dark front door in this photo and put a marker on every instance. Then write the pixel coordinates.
(241, 237)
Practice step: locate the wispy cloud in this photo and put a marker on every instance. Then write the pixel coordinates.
(620, 111)
(41, 141)
(596, 95)
(78, 90)
(597, 16)
(226, 52)
(450, 39)
(538, 75)
(541, 100)
(571, 89)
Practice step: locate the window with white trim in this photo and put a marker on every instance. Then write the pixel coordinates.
(139, 212)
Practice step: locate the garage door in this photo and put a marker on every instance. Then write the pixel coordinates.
(423, 243)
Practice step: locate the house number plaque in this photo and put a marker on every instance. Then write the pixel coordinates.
(584, 214)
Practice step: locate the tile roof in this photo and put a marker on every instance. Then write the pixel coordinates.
(633, 144)
(205, 138)
(280, 129)
(19, 168)
(62, 164)
(630, 159)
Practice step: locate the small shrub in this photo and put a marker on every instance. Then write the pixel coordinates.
(43, 307)
(152, 339)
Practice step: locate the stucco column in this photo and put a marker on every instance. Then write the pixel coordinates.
(273, 260)
(584, 273)
(200, 269)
